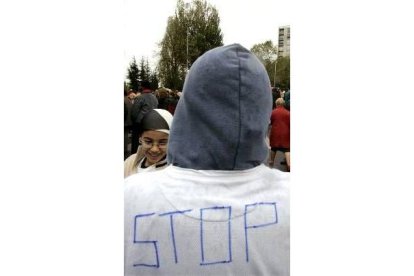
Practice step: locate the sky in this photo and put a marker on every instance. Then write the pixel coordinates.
(244, 22)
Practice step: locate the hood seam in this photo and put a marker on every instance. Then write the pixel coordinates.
(239, 134)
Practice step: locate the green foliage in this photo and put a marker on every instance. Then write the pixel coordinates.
(143, 73)
(204, 30)
(199, 23)
(153, 80)
(133, 75)
(266, 52)
(144, 70)
(283, 72)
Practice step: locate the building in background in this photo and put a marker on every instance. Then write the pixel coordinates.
(284, 41)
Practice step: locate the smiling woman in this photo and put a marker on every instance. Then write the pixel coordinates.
(151, 154)
(154, 145)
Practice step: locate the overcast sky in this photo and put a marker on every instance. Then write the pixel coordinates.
(244, 22)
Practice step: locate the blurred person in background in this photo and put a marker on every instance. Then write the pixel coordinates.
(142, 104)
(280, 132)
(128, 101)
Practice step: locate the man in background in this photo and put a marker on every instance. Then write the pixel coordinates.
(142, 104)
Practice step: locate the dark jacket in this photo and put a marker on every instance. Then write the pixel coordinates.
(142, 104)
(127, 112)
(286, 98)
(275, 96)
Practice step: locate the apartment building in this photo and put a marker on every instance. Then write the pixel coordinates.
(284, 41)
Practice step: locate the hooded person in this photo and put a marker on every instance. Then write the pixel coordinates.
(151, 154)
(216, 209)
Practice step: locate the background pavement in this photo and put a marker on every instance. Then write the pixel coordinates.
(280, 156)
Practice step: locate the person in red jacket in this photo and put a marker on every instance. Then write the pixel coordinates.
(280, 132)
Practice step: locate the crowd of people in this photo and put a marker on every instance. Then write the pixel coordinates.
(201, 195)
(138, 103)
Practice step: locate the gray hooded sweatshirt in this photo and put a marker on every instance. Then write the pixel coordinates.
(222, 116)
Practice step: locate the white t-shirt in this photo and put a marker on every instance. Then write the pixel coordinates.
(188, 222)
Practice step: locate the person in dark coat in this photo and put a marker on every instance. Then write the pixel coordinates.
(142, 104)
(162, 95)
(128, 101)
(275, 95)
(172, 102)
(286, 97)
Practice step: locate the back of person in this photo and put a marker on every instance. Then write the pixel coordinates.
(142, 104)
(184, 230)
(280, 131)
(216, 209)
(172, 101)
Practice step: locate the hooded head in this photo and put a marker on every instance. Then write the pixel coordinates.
(222, 117)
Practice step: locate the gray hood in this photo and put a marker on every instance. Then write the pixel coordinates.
(222, 117)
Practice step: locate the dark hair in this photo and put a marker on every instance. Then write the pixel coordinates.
(145, 84)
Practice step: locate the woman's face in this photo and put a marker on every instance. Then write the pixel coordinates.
(154, 144)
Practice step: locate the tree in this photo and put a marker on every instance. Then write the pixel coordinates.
(133, 75)
(143, 73)
(204, 32)
(283, 72)
(199, 23)
(144, 70)
(267, 52)
(153, 79)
